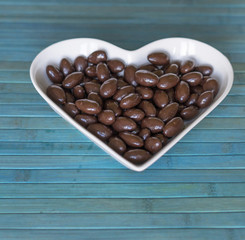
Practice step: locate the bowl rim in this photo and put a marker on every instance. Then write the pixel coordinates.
(99, 142)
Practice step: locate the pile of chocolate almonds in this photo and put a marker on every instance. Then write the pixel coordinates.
(134, 109)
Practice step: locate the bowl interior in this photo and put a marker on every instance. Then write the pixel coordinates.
(177, 48)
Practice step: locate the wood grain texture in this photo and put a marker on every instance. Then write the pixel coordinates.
(56, 184)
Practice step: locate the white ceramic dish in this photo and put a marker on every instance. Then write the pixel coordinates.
(177, 48)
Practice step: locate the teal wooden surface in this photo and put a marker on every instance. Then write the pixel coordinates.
(56, 184)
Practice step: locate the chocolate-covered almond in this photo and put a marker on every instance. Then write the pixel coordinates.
(88, 106)
(121, 83)
(136, 131)
(205, 99)
(153, 123)
(192, 99)
(158, 72)
(108, 88)
(123, 91)
(90, 71)
(173, 127)
(168, 81)
(115, 65)
(95, 97)
(85, 119)
(205, 70)
(78, 92)
(135, 114)
(80, 63)
(153, 144)
(158, 58)
(189, 112)
(97, 56)
(187, 66)
(197, 89)
(148, 108)
(92, 87)
(182, 92)
(171, 95)
(193, 78)
(124, 124)
(72, 80)
(117, 144)
(129, 75)
(71, 109)
(66, 67)
(69, 96)
(146, 78)
(130, 101)
(160, 98)
(145, 133)
(172, 68)
(145, 92)
(148, 67)
(57, 94)
(137, 156)
(102, 72)
(131, 140)
(168, 112)
(100, 130)
(54, 74)
(211, 85)
(162, 138)
(106, 117)
(114, 106)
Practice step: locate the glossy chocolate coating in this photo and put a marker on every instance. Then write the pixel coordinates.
(168, 81)
(153, 144)
(106, 117)
(108, 88)
(117, 144)
(158, 58)
(160, 98)
(97, 56)
(131, 140)
(135, 114)
(66, 67)
(85, 119)
(146, 78)
(168, 112)
(130, 101)
(57, 94)
(182, 92)
(88, 106)
(54, 74)
(100, 130)
(137, 156)
(72, 80)
(153, 123)
(173, 127)
(124, 124)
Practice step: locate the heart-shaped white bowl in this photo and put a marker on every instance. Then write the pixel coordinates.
(177, 48)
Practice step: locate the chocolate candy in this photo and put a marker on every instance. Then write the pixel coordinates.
(117, 144)
(66, 67)
(153, 144)
(131, 100)
(106, 117)
(146, 78)
(88, 106)
(72, 80)
(137, 156)
(136, 111)
(173, 127)
(108, 88)
(100, 130)
(158, 58)
(57, 94)
(54, 74)
(168, 81)
(131, 139)
(124, 124)
(102, 72)
(154, 124)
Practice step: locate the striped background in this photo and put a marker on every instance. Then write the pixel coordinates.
(56, 184)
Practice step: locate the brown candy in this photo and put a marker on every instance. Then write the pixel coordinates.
(92, 87)
(182, 92)
(66, 67)
(162, 138)
(129, 75)
(115, 65)
(205, 70)
(117, 144)
(54, 74)
(78, 92)
(99, 130)
(108, 88)
(211, 85)
(145, 92)
(123, 91)
(135, 114)
(106, 117)
(91, 71)
(146, 78)
(85, 119)
(80, 63)
(95, 97)
(131, 140)
(153, 144)
(172, 68)
(124, 124)
(154, 124)
(137, 156)
(168, 112)
(113, 105)
(193, 78)
(187, 66)
(97, 56)
(102, 72)
(192, 99)
(88, 106)
(145, 133)
(173, 127)
(130, 101)
(148, 108)
(57, 94)
(158, 58)
(189, 112)
(160, 98)
(205, 99)
(72, 80)
(168, 81)
(71, 109)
